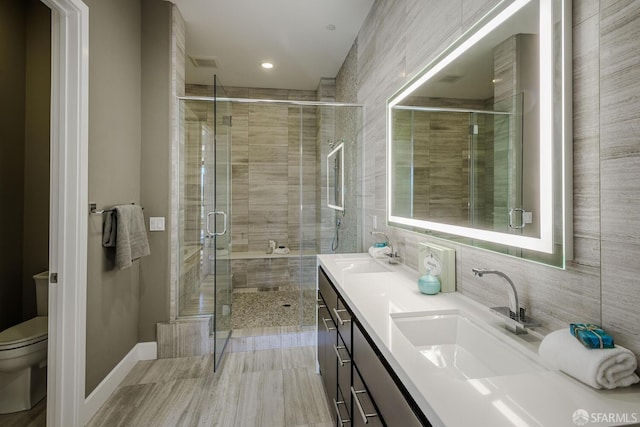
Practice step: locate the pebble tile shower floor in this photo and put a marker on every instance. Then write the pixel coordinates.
(280, 307)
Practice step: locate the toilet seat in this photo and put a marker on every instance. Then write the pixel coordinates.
(24, 334)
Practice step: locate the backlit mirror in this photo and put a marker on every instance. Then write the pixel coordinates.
(479, 142)
(335, 178)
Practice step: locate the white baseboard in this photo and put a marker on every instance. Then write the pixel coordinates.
(93, 402)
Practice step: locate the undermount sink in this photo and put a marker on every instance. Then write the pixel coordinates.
(361, 265)
(453, 342)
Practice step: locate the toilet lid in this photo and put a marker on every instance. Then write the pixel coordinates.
(24, 333)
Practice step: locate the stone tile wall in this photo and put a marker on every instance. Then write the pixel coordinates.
(600, 284)
(267, 186)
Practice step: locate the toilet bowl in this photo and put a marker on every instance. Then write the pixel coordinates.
(23, 357)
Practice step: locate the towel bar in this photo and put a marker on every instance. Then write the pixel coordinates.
(93, 209)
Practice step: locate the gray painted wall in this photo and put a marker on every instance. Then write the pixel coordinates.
(129, 145)
(114, 177)
(155, 167)
(601, 284)
(24, 155)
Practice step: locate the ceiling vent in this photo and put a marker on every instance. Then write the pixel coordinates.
(203, 62)
(450, 78)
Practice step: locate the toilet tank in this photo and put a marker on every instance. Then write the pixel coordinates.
(42, 292)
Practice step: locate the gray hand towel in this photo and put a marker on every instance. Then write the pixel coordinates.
(109, 230)
(125, 230)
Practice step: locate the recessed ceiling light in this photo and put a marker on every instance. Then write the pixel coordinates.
(330, 27)
(267, 65)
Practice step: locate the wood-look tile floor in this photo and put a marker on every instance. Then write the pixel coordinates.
(35, 417)
(271, 388)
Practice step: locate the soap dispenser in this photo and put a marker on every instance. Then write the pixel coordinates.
(430, 284)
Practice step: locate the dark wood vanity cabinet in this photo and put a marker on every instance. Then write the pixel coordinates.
(334, 360)
(361, 388)
(327, 340)
(380, 386)
(327, 333)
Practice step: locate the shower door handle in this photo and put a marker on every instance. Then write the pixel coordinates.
(224, 219)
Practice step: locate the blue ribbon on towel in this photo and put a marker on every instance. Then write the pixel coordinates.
(591, 336)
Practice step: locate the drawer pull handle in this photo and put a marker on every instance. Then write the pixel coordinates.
(341, 422)
(325, 324)
(365, 416)
(340, 319)
(340, 359)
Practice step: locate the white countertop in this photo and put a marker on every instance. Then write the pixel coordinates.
(542, 398)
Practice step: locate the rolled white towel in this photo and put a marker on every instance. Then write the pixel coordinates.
(600, 368)
(379, 252)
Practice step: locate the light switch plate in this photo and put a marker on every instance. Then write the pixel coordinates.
(447, 259)
(156, 223)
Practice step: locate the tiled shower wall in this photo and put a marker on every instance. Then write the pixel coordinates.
(339, 125)
(600, 284)
(267, 187)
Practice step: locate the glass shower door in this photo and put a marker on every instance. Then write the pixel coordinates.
(204, 229)
(218, 222)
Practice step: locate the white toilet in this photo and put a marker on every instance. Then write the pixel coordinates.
(23, 356)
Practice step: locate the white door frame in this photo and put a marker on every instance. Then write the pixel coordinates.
(68, 211)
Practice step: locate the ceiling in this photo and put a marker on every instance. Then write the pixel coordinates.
(293, 34)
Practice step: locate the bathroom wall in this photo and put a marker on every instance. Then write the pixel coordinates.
(24, 154)
(326, 136)
(35, 248)
(114, 177)
(349, 122)
(12, 118)
(600, 284)
(339, 125)
(132, 71)
(163, 79)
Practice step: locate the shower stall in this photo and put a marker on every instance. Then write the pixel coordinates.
(252, 176)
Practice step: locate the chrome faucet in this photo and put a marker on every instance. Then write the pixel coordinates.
(518, 322)
(393, 256)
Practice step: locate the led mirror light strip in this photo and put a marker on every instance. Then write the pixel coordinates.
(545, 242)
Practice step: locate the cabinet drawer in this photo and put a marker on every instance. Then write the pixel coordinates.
(325, 321)
(327, 293)
(327, 339)
(344, 323)
(340, 411)
(385, 393)
(364, 411)
(344, 363)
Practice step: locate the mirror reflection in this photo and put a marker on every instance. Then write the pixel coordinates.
(335, 178)
(472, 138)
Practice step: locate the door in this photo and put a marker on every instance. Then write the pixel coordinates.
(218, 221)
